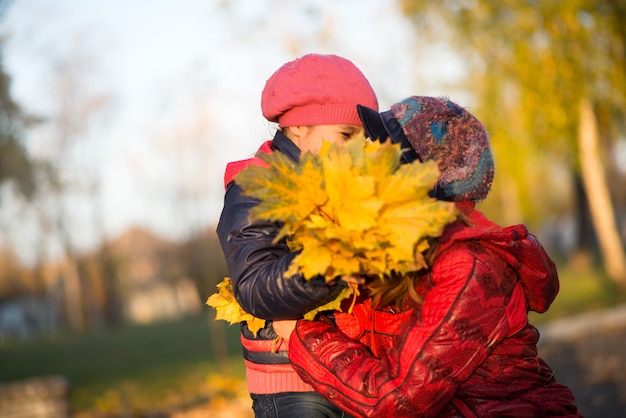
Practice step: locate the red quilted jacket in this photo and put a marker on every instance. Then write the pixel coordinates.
(468, 350)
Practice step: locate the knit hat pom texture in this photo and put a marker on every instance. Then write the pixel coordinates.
(439, 129)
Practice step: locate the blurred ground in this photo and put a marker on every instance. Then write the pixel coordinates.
(230, 399)
(586, 352)
(235, 408)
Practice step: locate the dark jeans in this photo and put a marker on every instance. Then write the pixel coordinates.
(294, 404)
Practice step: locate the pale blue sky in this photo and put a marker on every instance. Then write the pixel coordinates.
(183, 81)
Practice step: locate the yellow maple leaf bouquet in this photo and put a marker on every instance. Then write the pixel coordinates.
(353, 209)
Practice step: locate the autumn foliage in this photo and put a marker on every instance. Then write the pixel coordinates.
(353, 209)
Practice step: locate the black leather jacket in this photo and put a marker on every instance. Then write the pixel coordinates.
(256, 265)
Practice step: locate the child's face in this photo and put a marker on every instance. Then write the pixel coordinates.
(309, 138)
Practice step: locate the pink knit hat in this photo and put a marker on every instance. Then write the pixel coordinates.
(316, 90)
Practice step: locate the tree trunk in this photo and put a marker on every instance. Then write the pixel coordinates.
(586, 244)
(73, 294)
(600, 206)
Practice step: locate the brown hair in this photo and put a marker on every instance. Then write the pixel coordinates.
(398, 289)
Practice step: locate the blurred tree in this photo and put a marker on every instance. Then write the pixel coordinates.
(16, 165)
(18, 168)
(190, 149)
(544, 73)
(15, 278)
(72, 176)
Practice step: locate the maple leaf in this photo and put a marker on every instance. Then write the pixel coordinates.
(352, 199)
(288, 192)
(351, 291)
(227, 308)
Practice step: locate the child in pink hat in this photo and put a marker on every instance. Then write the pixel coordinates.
(312, 98)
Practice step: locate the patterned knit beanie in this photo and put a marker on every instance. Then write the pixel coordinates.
(432, 128)
(316, 90)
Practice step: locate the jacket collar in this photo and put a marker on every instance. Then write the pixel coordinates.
(285, 146)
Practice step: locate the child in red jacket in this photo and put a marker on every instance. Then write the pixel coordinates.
(461, 344)
(312, 98)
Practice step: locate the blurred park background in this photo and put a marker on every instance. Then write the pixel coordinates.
(117, 119)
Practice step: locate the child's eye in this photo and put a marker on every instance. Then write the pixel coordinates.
(346, 135)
